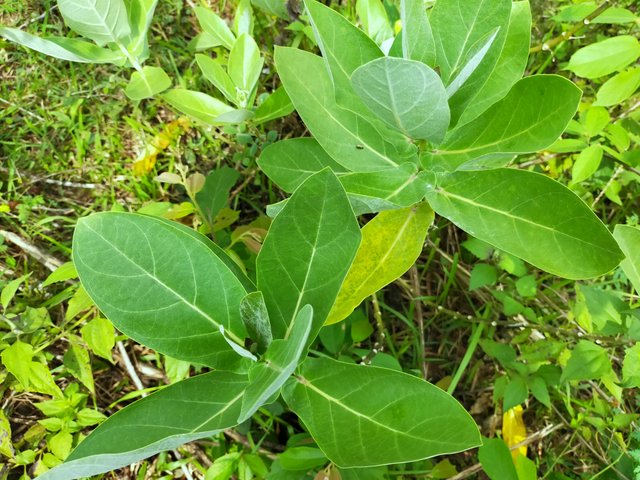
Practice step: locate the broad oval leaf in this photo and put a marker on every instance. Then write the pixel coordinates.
(147, 83)
(245, 65)
(255, 317)
(617, 89)
(276, 105)
(605, 57)
(162, 285)
(307, 253)
(461, 29)
(103, 21)
(140, 16)
(70, 49)
(333, 32)
(366, 416)
(530, 216)
(406, 95)
(391, 243)
(195, 408)
(198, 105)
(628, 239)
(214, 72)
(290, 162)
(214, 195)
(510, 65)
(280, 360)
(417, 37)
(356, 142)
(531, 117)
(215, 27)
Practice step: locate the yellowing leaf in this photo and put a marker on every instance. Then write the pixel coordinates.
(147, 159)
(514, 430)
(391, 243)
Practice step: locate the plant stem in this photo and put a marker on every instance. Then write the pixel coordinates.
(564, 36)
(477, 330)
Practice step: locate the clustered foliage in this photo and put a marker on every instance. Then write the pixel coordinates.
(405, 124)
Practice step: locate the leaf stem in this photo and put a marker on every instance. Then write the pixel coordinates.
(564, 36)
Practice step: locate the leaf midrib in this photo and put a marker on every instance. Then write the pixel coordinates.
(521, 219)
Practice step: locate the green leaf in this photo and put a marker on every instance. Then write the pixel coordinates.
(461, 28)
(391, 243)
(147, 83)
(615, 15)
(531, 117)
(10, 289)
(617, 89)
(34, 376)
(417, 37)
(243, 19)
(214, 195)
(586, 164)
(215, 27)
(276, 105)
(333, 32)
(64, 272)
(397, 187)
(631, 367)
(628, 239)
(588, 361)
(153, 278)
(510, 65)
(307, 253)
(605, 57)
(302, 458)
(70, 49)
(140, 17)
(366, 416)
(255, 317)
(103, 21)
(195, 408)
(290, 162)
(273, 7)
(515, 393)
(407, 95)
(6, 446)
(495, 458)
(214, 72)
(482, 275)
(76, 360)
(374, 19)
(530, 216)
(280, 361)
(199, 105)
(244, 67)
(357, 142)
